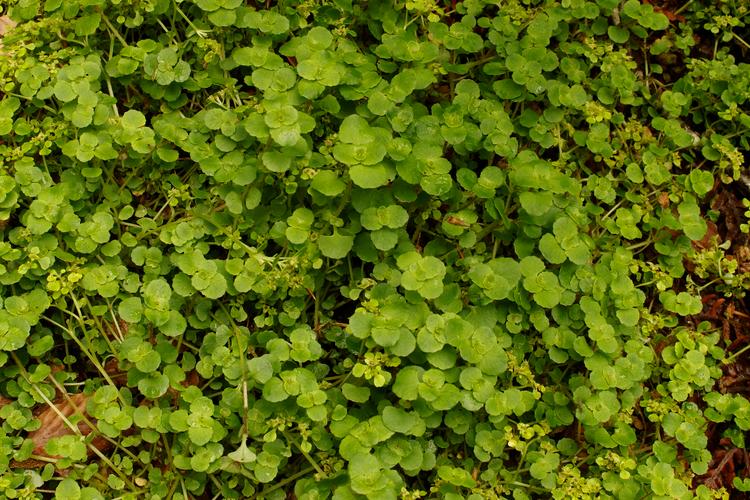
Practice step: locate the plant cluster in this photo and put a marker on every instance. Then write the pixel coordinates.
(384, 249)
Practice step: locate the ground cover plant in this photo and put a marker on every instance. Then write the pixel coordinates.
(341, 250)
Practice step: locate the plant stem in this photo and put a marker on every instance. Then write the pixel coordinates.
(88, 354)
(741, 40)
(283, 483)
(113, 29)
(242, 357)
(198, 32)
(685, 6)
(304, 453)
(736, 354)
(488, 229)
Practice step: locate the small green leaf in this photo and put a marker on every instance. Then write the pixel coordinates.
(355, 393)
(328, 183)
(702, 181)
(130, 309)
(154, 385)
(67, 489)
(618, 34)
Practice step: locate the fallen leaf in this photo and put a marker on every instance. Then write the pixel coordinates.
(6, 24)
(707, 241)
(53, 426)
(456, 221)
(664, 199)
(192, 379)
(112, 367)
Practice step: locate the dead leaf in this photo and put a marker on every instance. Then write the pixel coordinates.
(112, 367)
(6, 24)
(456, 221)
(742, 253)
(707, 241)
(663, 199)
(53, 426)
(192, 379)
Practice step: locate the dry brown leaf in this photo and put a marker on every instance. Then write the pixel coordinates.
(112, 368)
(707, 241)
(192, 379)
(6, 24)
(5, 401)
(663, 199)
(53, 426)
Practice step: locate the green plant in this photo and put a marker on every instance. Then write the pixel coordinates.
(367, 249)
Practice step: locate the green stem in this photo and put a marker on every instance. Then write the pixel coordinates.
(241, 355)
(524, 485)
(316, 313)
(685, 6)
(112, 94)
(199, 32)
(70, 40)
(113, 29)
(166, 30)
(703, 287)
(104, 332)
(489, 228)
(184, 489)
(88, 354)
(172, 488)
(740, 39)
(283, 483)
(99, 327)
(115, 322)
(349, 373)
(304, 453)
(642, 244)
(736, 354)
(20, 96)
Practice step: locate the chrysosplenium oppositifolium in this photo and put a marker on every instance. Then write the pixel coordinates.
(388, 250)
